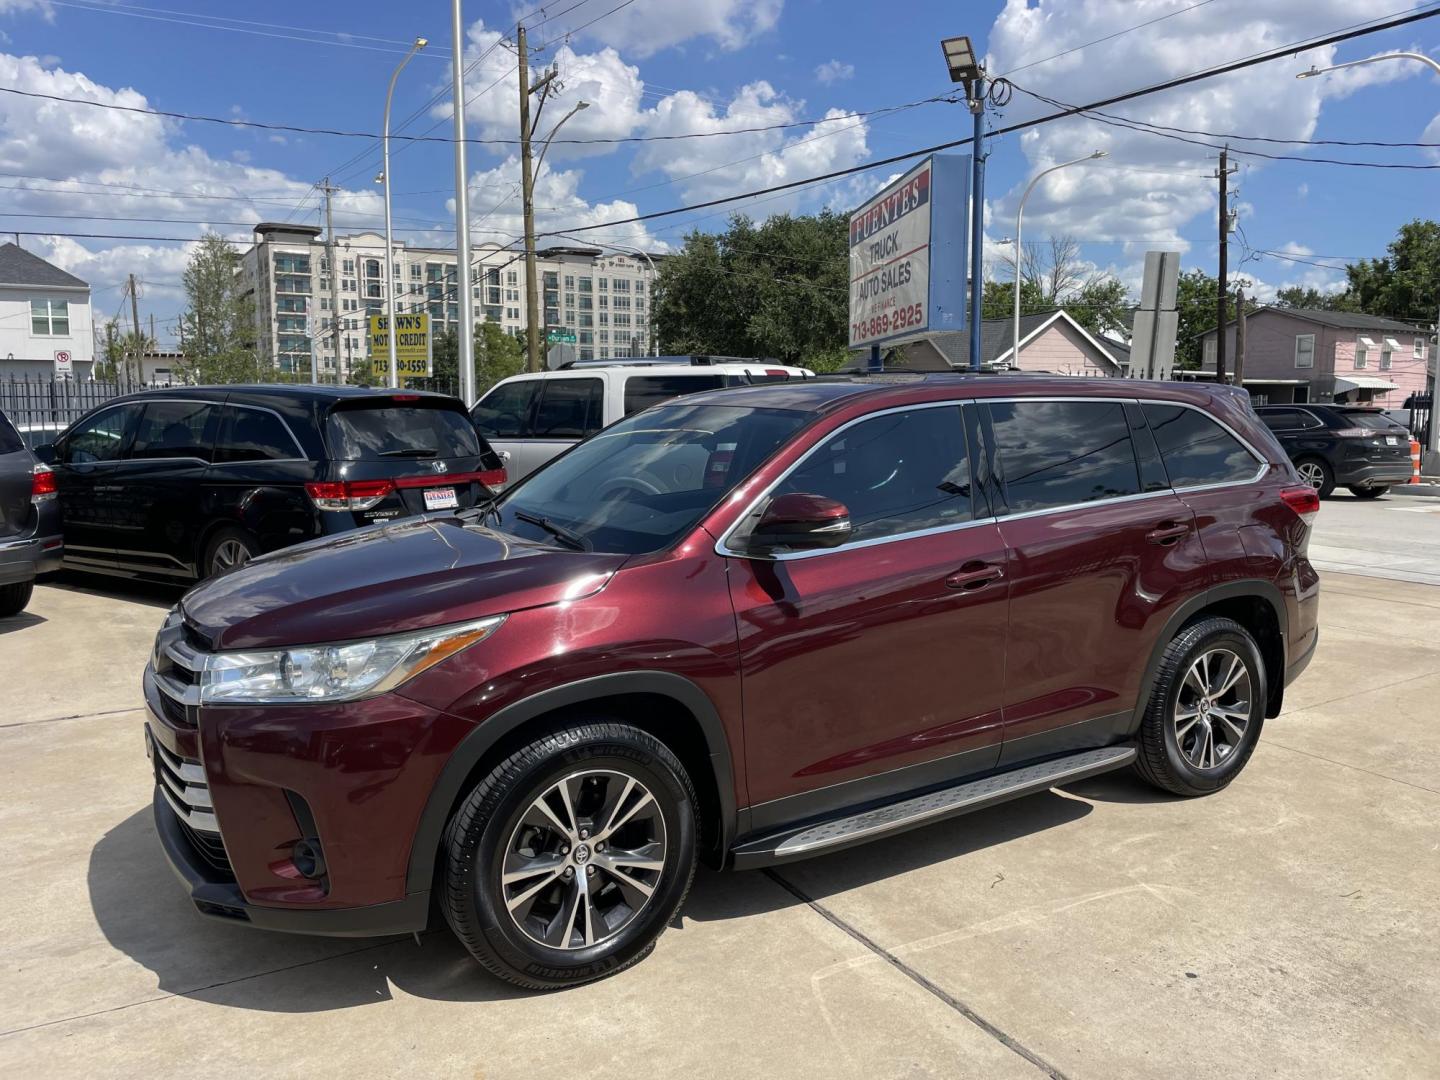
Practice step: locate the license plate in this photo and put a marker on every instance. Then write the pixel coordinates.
(1392, 440)
(440, 498)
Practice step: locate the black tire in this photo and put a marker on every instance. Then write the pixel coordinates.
(1320, 476)
(1167, 759)
(15, 597)
(1368, 492)
(483, 830)
(224, 546)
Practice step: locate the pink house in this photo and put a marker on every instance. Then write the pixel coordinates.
(1301, 354)
(1050, 342)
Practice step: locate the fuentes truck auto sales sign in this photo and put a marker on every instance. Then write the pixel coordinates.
(908, 255)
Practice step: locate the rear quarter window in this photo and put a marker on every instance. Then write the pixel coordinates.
(253, 435)
(383, 430)
(1063, 453)
(10, 440)
(643, 391)
(1196, 450)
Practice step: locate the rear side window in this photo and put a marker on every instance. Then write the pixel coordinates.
(175, 429)
(10, 440)
(100, 437)
(253, 435)
(383, 430)
(1282, 419)
(504, 413)
(642, 391)
(897, 473)
(1196, 450)
(1366, 418)
(1062, 453)
(569, 409)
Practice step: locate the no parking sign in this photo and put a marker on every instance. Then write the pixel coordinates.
(63, 363)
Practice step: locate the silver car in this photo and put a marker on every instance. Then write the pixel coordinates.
(30, 540)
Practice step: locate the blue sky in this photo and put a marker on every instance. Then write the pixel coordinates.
(676, 66)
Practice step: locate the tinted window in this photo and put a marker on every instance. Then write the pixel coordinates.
(896, 473)
(254, 435)
(392, 430)
(504, 413)
(101, 437)
(642, 391)
(175, 429)
(9, 438)
(569, 409)
(1282, 419)
(1060, 453)
(1366, 418)
(1196, 449)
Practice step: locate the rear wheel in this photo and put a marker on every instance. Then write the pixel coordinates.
(566, 862)
(1206, 709)
(14, 598)
(1368, 492)
(229, 548)
(1317, 474)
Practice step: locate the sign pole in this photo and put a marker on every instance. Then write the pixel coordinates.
(977, 217)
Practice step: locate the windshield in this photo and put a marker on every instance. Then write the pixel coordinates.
(640, 485)
(384, 430)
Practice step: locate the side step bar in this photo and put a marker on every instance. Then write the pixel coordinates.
(841, 832)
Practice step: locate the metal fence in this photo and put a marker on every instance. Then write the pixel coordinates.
(41, 408)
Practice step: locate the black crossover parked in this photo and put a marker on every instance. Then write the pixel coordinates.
(30, 541)
(185, 483)
(1349, 445)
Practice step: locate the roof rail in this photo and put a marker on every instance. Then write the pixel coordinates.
(694, 360)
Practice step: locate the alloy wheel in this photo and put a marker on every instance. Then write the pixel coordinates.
(584, 859)
(1312, 473)
(1212, 710)
(229, 554)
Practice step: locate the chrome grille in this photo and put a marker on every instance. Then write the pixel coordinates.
(186, 789)
(177, 665)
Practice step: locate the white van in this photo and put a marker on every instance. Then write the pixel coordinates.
(529, 419)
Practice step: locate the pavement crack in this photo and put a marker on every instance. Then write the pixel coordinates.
(1000, 1036)
(1357, 768)
(72, 716)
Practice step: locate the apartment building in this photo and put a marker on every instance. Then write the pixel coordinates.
(603, 298)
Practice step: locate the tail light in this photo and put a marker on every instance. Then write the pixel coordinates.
(1304, 501)
(717, 469)
(349, 494)
(42, 485)
(1357, 433)
(494, 479)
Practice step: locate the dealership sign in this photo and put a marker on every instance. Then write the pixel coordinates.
(908, 255)
(412, 345)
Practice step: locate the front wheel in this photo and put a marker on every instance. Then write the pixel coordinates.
(14, 598)
(1206, 709)
(566, 862)
(1368, 492)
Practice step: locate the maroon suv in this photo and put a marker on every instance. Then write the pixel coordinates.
(751, 626)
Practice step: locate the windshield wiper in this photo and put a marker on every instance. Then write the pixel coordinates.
(412, 452)
(559, 532)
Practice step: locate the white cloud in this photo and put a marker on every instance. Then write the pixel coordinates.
(833, 71)
(647, 26)
(1151, 187)
(1431, 134)
(15, 7)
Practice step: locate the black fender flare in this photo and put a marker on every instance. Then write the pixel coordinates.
(487, 733)
(1250, 588)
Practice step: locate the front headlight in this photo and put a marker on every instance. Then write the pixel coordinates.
(341, 672)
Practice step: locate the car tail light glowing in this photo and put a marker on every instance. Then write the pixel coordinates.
(1305, 501)
(42, 485)
(349, 494)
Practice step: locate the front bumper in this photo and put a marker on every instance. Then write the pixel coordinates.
(25, 558)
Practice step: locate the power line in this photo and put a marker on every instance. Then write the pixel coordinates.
(1107, 37)
(570, 33)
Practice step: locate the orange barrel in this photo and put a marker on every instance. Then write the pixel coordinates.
(1414, 462)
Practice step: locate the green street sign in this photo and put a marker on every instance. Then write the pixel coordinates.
(560, 337)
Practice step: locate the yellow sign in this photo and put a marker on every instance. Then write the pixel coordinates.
(412, 345)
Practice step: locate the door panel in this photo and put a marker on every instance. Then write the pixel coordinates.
(86, 463)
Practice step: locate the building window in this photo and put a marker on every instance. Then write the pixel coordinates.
(1363, 345)
(1388, 349)
(511, 278)
(586, 284)
(50, 318)
(1207, 358)
(1419, 348)
(1304, 350)
(348, 266)
(569, 281)
(604, 284)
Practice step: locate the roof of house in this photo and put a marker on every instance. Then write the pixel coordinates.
(1342, 320)
(20, 267)
(996, 336)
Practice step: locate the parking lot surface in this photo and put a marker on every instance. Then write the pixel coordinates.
(1285, 927)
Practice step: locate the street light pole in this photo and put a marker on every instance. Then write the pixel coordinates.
(1019, 218)
(420, 43)
(462, 215)
(965, 69)
(1428, 60)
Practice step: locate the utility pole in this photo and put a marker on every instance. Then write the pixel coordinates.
(327, 190)
(527, 185)
(1240, 336)
(1223, 299)
(135, 325)
(1432, 428)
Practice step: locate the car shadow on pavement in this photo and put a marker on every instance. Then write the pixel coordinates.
(144, 913)
(25, 619)
(153, 594)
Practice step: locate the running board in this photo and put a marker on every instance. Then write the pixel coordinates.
(825, 836)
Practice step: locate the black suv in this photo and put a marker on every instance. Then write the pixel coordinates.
(1350, 445)
(184, 483)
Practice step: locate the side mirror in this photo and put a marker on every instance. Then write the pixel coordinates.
(801, 522)
(46, 453)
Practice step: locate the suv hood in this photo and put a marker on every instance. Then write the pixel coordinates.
(385, 580)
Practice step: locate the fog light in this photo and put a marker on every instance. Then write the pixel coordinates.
(308, 858)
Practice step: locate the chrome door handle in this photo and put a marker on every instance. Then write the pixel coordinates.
(970, 580)
(1167, 534)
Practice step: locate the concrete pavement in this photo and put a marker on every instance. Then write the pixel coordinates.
(1285, 927)
(1395, 536)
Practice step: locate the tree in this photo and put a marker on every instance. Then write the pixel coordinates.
(1297, 296)
(1195, 298)
(217, 328)
(779, 289)
(1053, 275)
(1404, 284)
(119, 353)
(498, 355)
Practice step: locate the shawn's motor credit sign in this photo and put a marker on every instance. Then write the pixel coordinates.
(907, 255)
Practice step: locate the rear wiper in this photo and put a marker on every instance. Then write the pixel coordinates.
(413, 452)
(564, 535)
